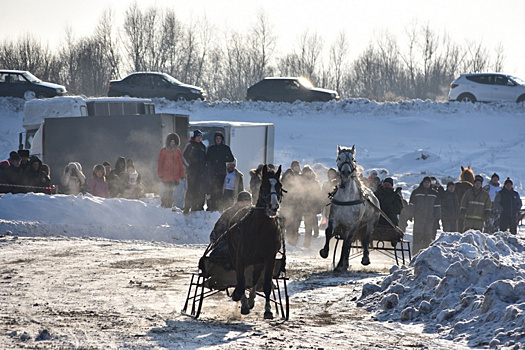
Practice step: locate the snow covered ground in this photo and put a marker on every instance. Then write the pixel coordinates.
(113, 273)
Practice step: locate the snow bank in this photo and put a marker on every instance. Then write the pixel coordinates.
(114, 218)
(467, 286)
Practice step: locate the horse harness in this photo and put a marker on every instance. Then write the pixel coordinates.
(351, 162)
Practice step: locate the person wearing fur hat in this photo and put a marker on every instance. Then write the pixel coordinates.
(34, 176)
(73, 179)
(12, 175)
(424, 208)
(194, 157)
(217, 155)
(390, 201)
(98, 184)
(508, 204)
(170, 169)
(476, 206)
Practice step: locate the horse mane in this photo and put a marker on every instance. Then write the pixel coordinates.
(467, 174)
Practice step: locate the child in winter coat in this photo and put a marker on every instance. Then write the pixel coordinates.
(132, 187)
(98, 185)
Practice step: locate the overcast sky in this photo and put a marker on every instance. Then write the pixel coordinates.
(490, 22)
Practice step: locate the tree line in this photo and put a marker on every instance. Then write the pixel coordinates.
(227, 63)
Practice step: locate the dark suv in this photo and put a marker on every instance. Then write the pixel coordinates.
(151, 85)
(19, 83)
(288, 90)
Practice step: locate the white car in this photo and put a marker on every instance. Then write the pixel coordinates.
(487, 87)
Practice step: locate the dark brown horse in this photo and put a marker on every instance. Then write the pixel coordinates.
(257, 239)
(465, 183)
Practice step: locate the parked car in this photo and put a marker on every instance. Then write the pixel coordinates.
(151, 84)
(19, 83)
(288, 90)
(487, 87)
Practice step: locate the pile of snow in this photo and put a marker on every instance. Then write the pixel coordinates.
(37, 214)
(467, 287)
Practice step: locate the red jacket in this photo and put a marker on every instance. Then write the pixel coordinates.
(170, 166)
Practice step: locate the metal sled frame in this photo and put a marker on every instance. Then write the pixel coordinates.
(216, 279)
(397, 246)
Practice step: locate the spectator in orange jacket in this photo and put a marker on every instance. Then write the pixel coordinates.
(170, 169)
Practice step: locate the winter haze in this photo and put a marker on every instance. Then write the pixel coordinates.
(85, 272)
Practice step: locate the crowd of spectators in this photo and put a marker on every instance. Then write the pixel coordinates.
(199, 177)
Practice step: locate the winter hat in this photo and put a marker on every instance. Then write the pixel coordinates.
(450, 183)
(426, 178)
(106, 164)
(509, 181)
(494, 175)
(478, 178)
(196, 133)
(244, 196)
(98, 167)
(23, 153)
(34, 159)
(218, 133)
(307, 169)
(172, 136)
(14, 156)
(389, 180)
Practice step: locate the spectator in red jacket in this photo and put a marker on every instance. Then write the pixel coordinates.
(170, 169)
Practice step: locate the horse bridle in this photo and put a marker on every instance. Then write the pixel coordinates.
(263, 198)
(348, 160)
(351, 163)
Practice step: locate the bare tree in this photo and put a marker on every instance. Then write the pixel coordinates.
(477, 58)
(263, 43)
(497, 65)
(338, 66)
(136, 37)
(28, 54)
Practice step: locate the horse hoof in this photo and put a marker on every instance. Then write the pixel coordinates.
(365, 262)
(268, 315)
(245, 310)
(340, 269)
(323, 253)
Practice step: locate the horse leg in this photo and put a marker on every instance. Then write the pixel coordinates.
(342, 265)
(366, 240)
(240, 287)
(245, 309)
(365, 260)
(267, 287)
(328, 235)
(248, 303)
